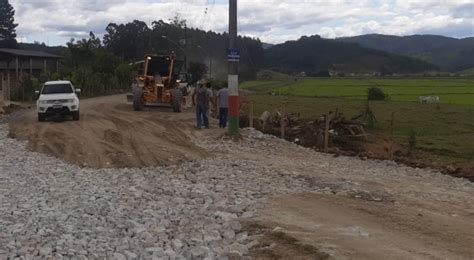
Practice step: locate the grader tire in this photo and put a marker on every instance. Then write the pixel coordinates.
(138, 100)
(176, 99)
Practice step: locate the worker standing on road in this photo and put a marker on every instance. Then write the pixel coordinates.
(201, 99)
(223, 103)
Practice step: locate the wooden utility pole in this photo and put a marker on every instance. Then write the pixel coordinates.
(233, 78)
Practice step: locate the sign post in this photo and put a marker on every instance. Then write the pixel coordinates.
(233, 57)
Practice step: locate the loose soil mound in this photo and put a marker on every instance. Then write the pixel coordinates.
(111, 134)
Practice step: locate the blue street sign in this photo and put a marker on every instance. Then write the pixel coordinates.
(233, 55)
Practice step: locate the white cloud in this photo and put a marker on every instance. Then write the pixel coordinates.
(271, 21)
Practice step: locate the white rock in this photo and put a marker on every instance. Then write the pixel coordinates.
(213, 235)
(118, 256)
(238, 249)
(177, 244)
(45, 251)
(228, 234)
(199, 252)
(130, 255)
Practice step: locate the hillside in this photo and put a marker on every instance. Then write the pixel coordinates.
(448, 53)
(313, 54)
(127, 40)
(132, 40)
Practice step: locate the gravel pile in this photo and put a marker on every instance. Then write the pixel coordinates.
(55, 210)
(191, 211)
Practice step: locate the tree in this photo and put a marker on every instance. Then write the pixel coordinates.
(178, 21)
(130, 41)
(7, 25)
(197, 70)
(94, 68)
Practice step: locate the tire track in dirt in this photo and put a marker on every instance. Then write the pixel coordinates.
(111, 135)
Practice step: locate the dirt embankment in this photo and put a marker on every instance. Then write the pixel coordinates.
(111, 134)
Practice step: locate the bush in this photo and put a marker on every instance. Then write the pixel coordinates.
(375, 93)
(26, 89)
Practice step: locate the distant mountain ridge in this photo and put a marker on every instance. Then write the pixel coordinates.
(267, 45)
(448, 53)
(313, 54)
(371, 53)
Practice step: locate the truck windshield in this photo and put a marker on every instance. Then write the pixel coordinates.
(57, 89)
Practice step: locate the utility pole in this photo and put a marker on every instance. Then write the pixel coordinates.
(233, 77)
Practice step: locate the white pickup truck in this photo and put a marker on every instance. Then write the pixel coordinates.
(58, 98)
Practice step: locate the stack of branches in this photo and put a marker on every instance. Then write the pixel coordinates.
(310, 133)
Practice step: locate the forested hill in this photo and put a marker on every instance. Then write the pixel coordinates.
(313, 54)
(131, 41)
(448, 53)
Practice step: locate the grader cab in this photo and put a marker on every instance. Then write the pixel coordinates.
(156, 83)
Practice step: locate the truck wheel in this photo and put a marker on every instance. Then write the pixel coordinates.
(176, 99)
(138, 99)
(75, 115)
(41, 117)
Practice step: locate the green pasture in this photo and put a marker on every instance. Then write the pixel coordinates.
(445, 129)
(450, 91)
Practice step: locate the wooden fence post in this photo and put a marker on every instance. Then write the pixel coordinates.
(392, 119)
(282, 123)
(251, 114)
(326, 133)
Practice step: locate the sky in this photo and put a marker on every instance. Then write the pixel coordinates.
(55, 22)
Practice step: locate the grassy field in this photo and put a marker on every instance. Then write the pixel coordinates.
(446, 130)
(469, 72)
(450, 90)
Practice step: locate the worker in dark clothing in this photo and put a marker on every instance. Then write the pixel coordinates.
(201, 100)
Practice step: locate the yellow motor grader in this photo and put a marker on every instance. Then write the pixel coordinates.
(156, 83)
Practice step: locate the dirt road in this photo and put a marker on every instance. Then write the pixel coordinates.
(293, 202)
(111, 134)
(351, 228)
